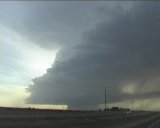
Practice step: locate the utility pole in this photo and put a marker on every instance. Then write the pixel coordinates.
(141, 105)
(146, 107)
(132, 102)
(105, 98)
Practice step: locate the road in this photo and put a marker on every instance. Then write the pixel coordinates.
(24, 118)
(155, 124)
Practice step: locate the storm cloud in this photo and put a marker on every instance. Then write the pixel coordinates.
(120, 53)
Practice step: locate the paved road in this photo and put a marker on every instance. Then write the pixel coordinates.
(155, 124)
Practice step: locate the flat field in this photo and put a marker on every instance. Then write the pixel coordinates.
(31, 118)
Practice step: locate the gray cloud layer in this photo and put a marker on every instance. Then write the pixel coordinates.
(121, 51)
(50, 24)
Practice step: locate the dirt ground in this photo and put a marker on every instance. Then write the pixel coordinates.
(24, 118)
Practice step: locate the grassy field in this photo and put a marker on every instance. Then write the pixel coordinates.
(26, 118)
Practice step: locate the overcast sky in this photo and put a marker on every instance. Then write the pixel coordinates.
(66, 53)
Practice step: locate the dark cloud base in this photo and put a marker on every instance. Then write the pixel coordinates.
(124, 49)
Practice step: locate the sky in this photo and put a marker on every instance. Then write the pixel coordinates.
(63, 54)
